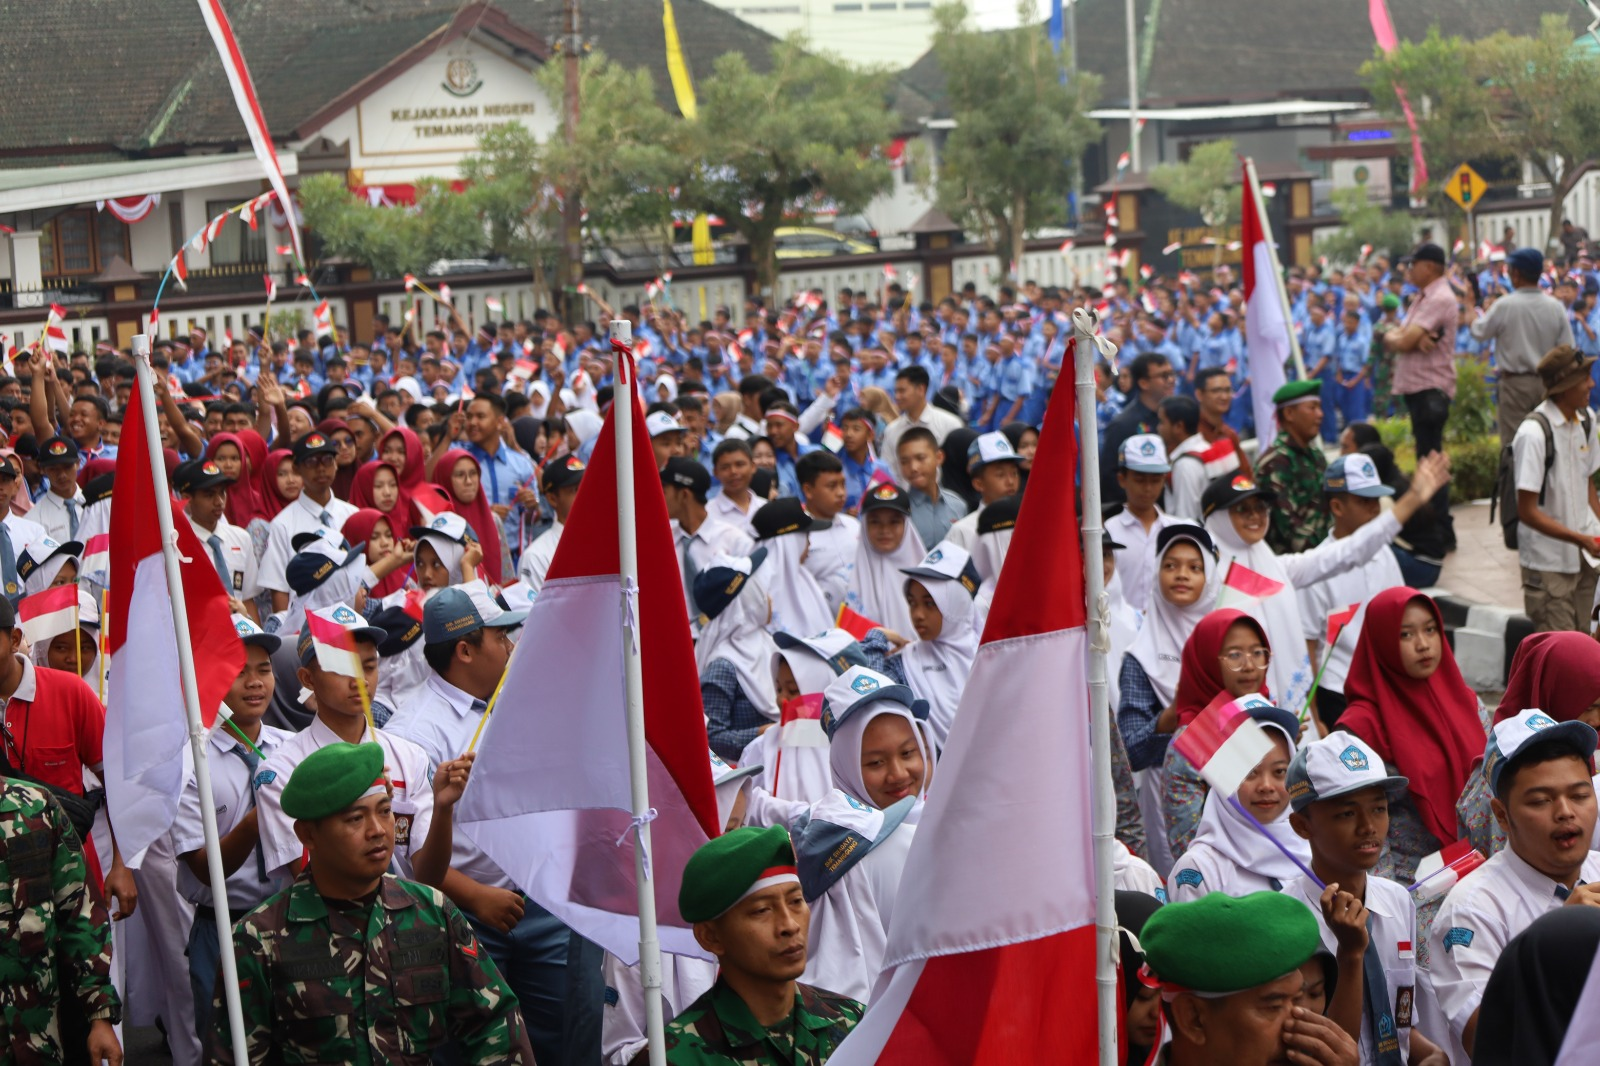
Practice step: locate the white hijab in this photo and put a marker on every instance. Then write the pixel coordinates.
(989, 553)
(1159, 646)
(341, 587)
(738, 636)
(877, 587)
(664, 380)
(795, 772)
(584, 424)
(798, 605)
(539, 399)
(1289, 673)
(1235, 840)
(937, 669)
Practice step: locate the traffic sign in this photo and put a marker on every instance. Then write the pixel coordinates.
(1465, 187)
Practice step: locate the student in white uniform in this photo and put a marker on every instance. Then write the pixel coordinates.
(204, 488)
(1340, 796)
(795, 765)
(798, 606)
(315, 508)
(60, 509)
(235, 764)
(1142, 469)
(339, 718)
(47, 564)
(1541, 774)
(837, 535)
(1353, 492)
(996, 472)
(559, 482)
(701, 536)
(939, 592)
(1230, 855)
(733, 465)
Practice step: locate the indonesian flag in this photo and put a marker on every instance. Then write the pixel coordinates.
(972, 975)
(889, 272)
(1339, 619)
(1220, 458)
(1243, 588)
(1263, 315)
(444, 295)
(411, 281)
(549, 797)
(1067, 245)
(323, 320)
(272, 287)
(46, 615)
(55, 336)
(146, 729)
(1224, 743)
(801, 722)
(853, 622)
(493, 304)
(832, 437)
(653, 288)
(285, 249)
(334, 644)
(180, 271)
(1438, 873)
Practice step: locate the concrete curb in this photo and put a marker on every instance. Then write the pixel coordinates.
(1484, 636)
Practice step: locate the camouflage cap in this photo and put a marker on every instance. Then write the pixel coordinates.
(723, 871)
(333, 778)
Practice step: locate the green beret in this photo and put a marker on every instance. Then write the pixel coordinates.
(723, 871)
(1222, 944)
(1389, 302)
(1297, 391)
(332, 778)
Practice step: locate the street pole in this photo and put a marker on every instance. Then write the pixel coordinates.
(571, 209)
(1133, 89)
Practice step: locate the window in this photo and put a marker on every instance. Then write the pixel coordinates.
(883, 7)
(237, 243)
(843, 8)
(80, 242)
(916, 5)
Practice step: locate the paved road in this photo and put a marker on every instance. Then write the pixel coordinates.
(1482, 568)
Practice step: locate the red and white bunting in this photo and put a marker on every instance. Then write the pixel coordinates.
(1067, 245)
(155, 324)
(284, 249)
(130, 209)
(180, 271)
(302, 280)
(444, 295)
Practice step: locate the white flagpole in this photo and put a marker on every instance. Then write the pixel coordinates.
(624, 396)
(1084, 324)
(191, 698)
(1277, 267)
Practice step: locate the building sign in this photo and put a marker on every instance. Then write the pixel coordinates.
(1205, 247)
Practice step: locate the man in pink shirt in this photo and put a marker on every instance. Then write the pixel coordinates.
(1425, 361)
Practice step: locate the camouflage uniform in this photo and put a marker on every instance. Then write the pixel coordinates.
(384, 982)
(1300, 519)
(718, 1029)
(52, 928)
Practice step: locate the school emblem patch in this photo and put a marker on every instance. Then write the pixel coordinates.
(1353, 759)
(933, 557)
(864, 685)
(439, 522)
(886, 492)
(344, 616)
(58, 448)
(1458, 937)
(1242, 483)
(1147, 449)
(1540, 721)
(1191, 878)
(316, 440)
(264, 778)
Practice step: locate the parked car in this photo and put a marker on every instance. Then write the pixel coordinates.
(812, 242)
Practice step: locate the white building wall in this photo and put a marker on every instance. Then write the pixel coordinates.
(894, 33)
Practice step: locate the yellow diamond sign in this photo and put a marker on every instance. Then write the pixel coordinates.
(1465, 187)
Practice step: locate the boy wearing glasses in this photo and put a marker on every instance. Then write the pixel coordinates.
(1292, 469)
(315, 460)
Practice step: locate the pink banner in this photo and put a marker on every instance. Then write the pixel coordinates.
(1383, 30)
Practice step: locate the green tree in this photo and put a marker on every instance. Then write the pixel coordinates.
(1206, 182)
(1533, 100)
(1389, 232)
(392, 241)
(1020, 126)
(507, 189)
(766, 150)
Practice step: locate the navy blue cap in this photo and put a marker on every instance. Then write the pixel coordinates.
(1529, 262)
(461, 610)
(402, 629)
(718, 584)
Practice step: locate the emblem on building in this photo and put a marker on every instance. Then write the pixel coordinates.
(461, 77)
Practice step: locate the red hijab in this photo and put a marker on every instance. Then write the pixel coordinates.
(1200, 677)
(1559, 673)
(477, 513)
(414, 474)
(357, 529)
(242, 505)
(272, 501)
(399, 515)
(1429, 729)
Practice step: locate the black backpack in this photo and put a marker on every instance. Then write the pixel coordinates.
(1505, 489)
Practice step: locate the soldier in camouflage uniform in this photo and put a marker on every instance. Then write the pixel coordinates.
(742, 892)
(1292, 469)
(351, 964)
(53, 929)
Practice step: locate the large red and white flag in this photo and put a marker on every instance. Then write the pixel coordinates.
(255, 123)
(972, 975)
(1265, 324)
(146, 728)
(549, 798)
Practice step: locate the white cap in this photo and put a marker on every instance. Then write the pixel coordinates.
(990, 448)
(1511, 735)
(1336, 765)
(448, 525)
(660, 422)
(1144, 453)
(1355, 474)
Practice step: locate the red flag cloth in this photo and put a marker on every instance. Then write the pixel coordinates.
(46, 615)
(856, 624)
(1246, 582)
(1339, 619)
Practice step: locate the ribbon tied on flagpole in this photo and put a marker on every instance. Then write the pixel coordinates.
(635, 824)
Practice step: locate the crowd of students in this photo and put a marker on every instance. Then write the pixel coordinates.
(843, 480)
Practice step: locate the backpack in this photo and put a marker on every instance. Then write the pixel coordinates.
(1505, 490)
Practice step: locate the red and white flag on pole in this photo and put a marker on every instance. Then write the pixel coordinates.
(972, 975)
(272, 287)
(244, 97)
(323, 320)
(1243, 588)
(46, 615)
(97, 559)
(1224, 743)
(334, 641)
(55, 335)
(146, 730)
(550, 797)
(1263, 313)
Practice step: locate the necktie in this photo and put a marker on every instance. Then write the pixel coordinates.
(479, 706)
(690, 572)
(222, 564)
(1386, 1042)
(251, 760)
(1562, 891)
(325, 518)
(72, 518)
(8, 564)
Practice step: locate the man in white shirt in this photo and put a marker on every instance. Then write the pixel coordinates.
(559, 483)
(734, 466)
(700, 535)
(60, 509)
(1142, 469)
(1353, 491)
(834, 539)
(911, 397)
(16, 532)
(1540, 773)
(204, 488)
(315, 508)
(996, 472)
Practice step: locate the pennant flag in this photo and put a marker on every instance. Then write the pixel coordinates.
(146, 728)
(889, 272)
(302, 280)
(653, 288)
(444, 295)
(214, 228)
(46, 615)
(1146, 271)
(244, 97)
(1242, 587)
(972, 975)
(1339, 619)
(272, 287)
(1438, 873)
(801, 722)
(832, 437)
(334, 644)
(1124, 161)
(549, 797)
(1224, 743)
(323, 320)
(155, 325)
(1263, 312)
(180, 271)
(857, 625)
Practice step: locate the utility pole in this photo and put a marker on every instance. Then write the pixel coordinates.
(572, 210)
(1133, 89)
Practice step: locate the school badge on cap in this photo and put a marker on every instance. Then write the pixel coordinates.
(574, 463)
(932, 557)
(344, 615)
(316, 440)
(211, 469)
(439, 522)
(864, 685)
(1354, 759)
(58, 448)
(1242, 483)
(886, 492)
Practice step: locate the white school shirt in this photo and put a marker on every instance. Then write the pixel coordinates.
(1203, 870)
(831, 557)
(725, 509)
(230, 792)
(25, 531)
(1566, 490)
(404, 762)
(1333, 594)
(50, 512)
(1393, 931)
(303, 515)
(1136, 559)
(715, 536)
(1494, 903)
(238, 554)
(964, 530)
(535, 562)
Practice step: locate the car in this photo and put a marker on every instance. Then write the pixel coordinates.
(858, 227)
(813, 242)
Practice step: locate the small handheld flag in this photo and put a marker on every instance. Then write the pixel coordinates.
(857, 625)
(48, 614)
(1242, 587)
(1439, 873)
